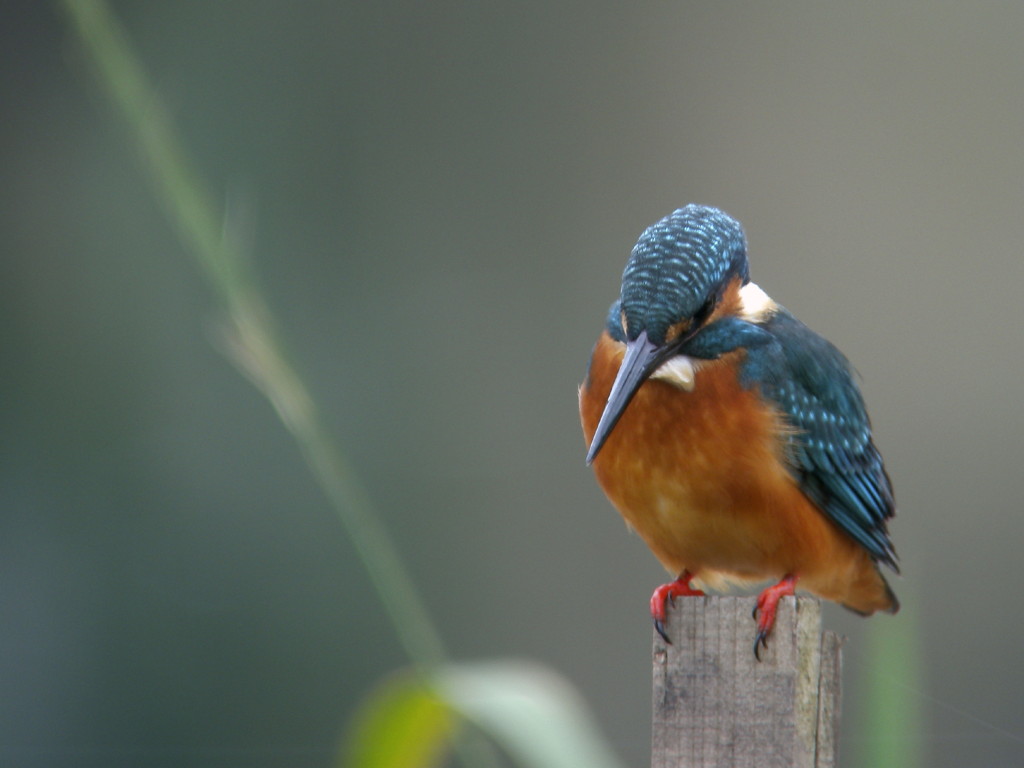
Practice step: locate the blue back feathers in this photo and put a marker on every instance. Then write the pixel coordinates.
(831, 453)
(677, 265)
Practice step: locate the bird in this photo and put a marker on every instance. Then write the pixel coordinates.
(730, 436)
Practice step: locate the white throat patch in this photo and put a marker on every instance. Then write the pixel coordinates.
(680, 371)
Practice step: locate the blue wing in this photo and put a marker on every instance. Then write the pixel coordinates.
(831, 453)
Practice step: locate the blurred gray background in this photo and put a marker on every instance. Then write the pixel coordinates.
(443, 198)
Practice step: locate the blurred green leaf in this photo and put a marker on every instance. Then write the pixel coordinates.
(401, 724)
(531, 711)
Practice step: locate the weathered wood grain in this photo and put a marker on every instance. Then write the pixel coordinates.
(716, 706)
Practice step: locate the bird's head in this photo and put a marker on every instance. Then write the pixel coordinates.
(675, 280)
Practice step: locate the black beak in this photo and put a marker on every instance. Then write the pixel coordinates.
(641, 360)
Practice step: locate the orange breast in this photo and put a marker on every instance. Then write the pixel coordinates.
(701, 477)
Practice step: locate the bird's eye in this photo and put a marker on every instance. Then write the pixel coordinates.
(705, 311)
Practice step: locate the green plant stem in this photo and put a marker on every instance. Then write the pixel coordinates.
(892, 698)
(252, 340)
(253, 343)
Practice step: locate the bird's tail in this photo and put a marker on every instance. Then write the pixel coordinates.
(871, 592)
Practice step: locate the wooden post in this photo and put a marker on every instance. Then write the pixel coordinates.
(716, 706)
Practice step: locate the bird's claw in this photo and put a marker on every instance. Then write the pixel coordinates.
(660, 626)
(760, 641)
(765, 608)
(666, 595)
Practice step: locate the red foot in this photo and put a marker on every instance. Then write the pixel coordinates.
(669, 592)
(764, 612)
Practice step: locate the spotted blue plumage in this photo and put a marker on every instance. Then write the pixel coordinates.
(677, 266)
(831, 452)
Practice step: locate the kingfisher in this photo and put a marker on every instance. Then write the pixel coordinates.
(730, 436)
